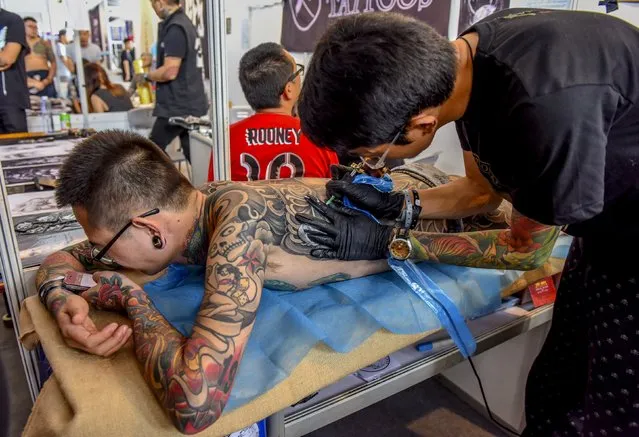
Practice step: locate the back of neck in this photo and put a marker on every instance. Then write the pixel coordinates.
(281, 111)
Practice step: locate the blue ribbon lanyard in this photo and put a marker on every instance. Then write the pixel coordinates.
(444, 308)
(424, 287)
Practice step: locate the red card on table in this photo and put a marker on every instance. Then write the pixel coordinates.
(543, 292)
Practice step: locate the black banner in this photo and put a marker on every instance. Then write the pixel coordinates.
(196, 11)
(305, 21)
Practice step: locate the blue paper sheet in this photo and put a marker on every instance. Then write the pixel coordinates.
(342, 315)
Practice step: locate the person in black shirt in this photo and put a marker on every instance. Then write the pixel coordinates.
(180, 88)
(546, 105)
(14, 94)
(126, 60)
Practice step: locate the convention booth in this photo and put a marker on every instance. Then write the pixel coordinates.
(327, 377)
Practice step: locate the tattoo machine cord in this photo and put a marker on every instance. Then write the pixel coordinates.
(479, 382)
(464, 340)
(483, 395)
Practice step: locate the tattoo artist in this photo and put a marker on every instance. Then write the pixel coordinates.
(546, 106)
(180, 87)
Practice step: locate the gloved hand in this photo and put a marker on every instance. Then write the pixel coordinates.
(341, 173)
(344, 234)
(381, 205)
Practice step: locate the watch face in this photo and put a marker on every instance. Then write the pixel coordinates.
(400, 249)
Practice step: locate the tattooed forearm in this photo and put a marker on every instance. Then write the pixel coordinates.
(76, 257)
(111, 293)
(526, 246)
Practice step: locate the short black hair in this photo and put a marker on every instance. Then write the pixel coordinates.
(62, 33)
(25, 19)
(369, 74)
(115, 174)
(264, 72)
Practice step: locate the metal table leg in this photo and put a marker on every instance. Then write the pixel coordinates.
(275, 425)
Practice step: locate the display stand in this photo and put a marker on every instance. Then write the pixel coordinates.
(498, 329)
(16, 289)
(19, 269)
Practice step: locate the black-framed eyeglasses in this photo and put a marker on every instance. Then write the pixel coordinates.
(298, 72)
(376, 163)
(292, 77)
(99, 255)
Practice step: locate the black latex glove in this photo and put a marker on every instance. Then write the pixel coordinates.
(341, 173)
(344, 234)
(381, 205)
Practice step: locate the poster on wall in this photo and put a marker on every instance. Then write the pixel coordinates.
(304, 21)
(472, 11)
(96, 29)
(196, 11)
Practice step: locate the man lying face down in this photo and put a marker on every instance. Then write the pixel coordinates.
(245, 233)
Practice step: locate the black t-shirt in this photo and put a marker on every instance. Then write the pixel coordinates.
(13, 81)
(175, 45)
(121, 103)
(127, 57)
(553, 118)
(185, 94)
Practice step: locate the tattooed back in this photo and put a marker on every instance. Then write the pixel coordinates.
(239, 213)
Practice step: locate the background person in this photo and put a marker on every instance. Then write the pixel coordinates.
(40, 62)
(126, 60)
(90, 51)
(546, 105)
(14, 94)
(103, 95)
(180, 88)
(61, 53)
(269, 144)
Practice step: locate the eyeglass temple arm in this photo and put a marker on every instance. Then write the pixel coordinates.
(119, 234)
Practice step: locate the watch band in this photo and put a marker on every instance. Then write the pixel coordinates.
(47, 287)
(417, 210)
(408, 219)
(416, 198)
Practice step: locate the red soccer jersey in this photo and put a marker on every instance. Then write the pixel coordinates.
(271, 146)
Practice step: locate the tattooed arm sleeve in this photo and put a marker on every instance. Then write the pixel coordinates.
(76, 257)
(192, 377)
(525, 246)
